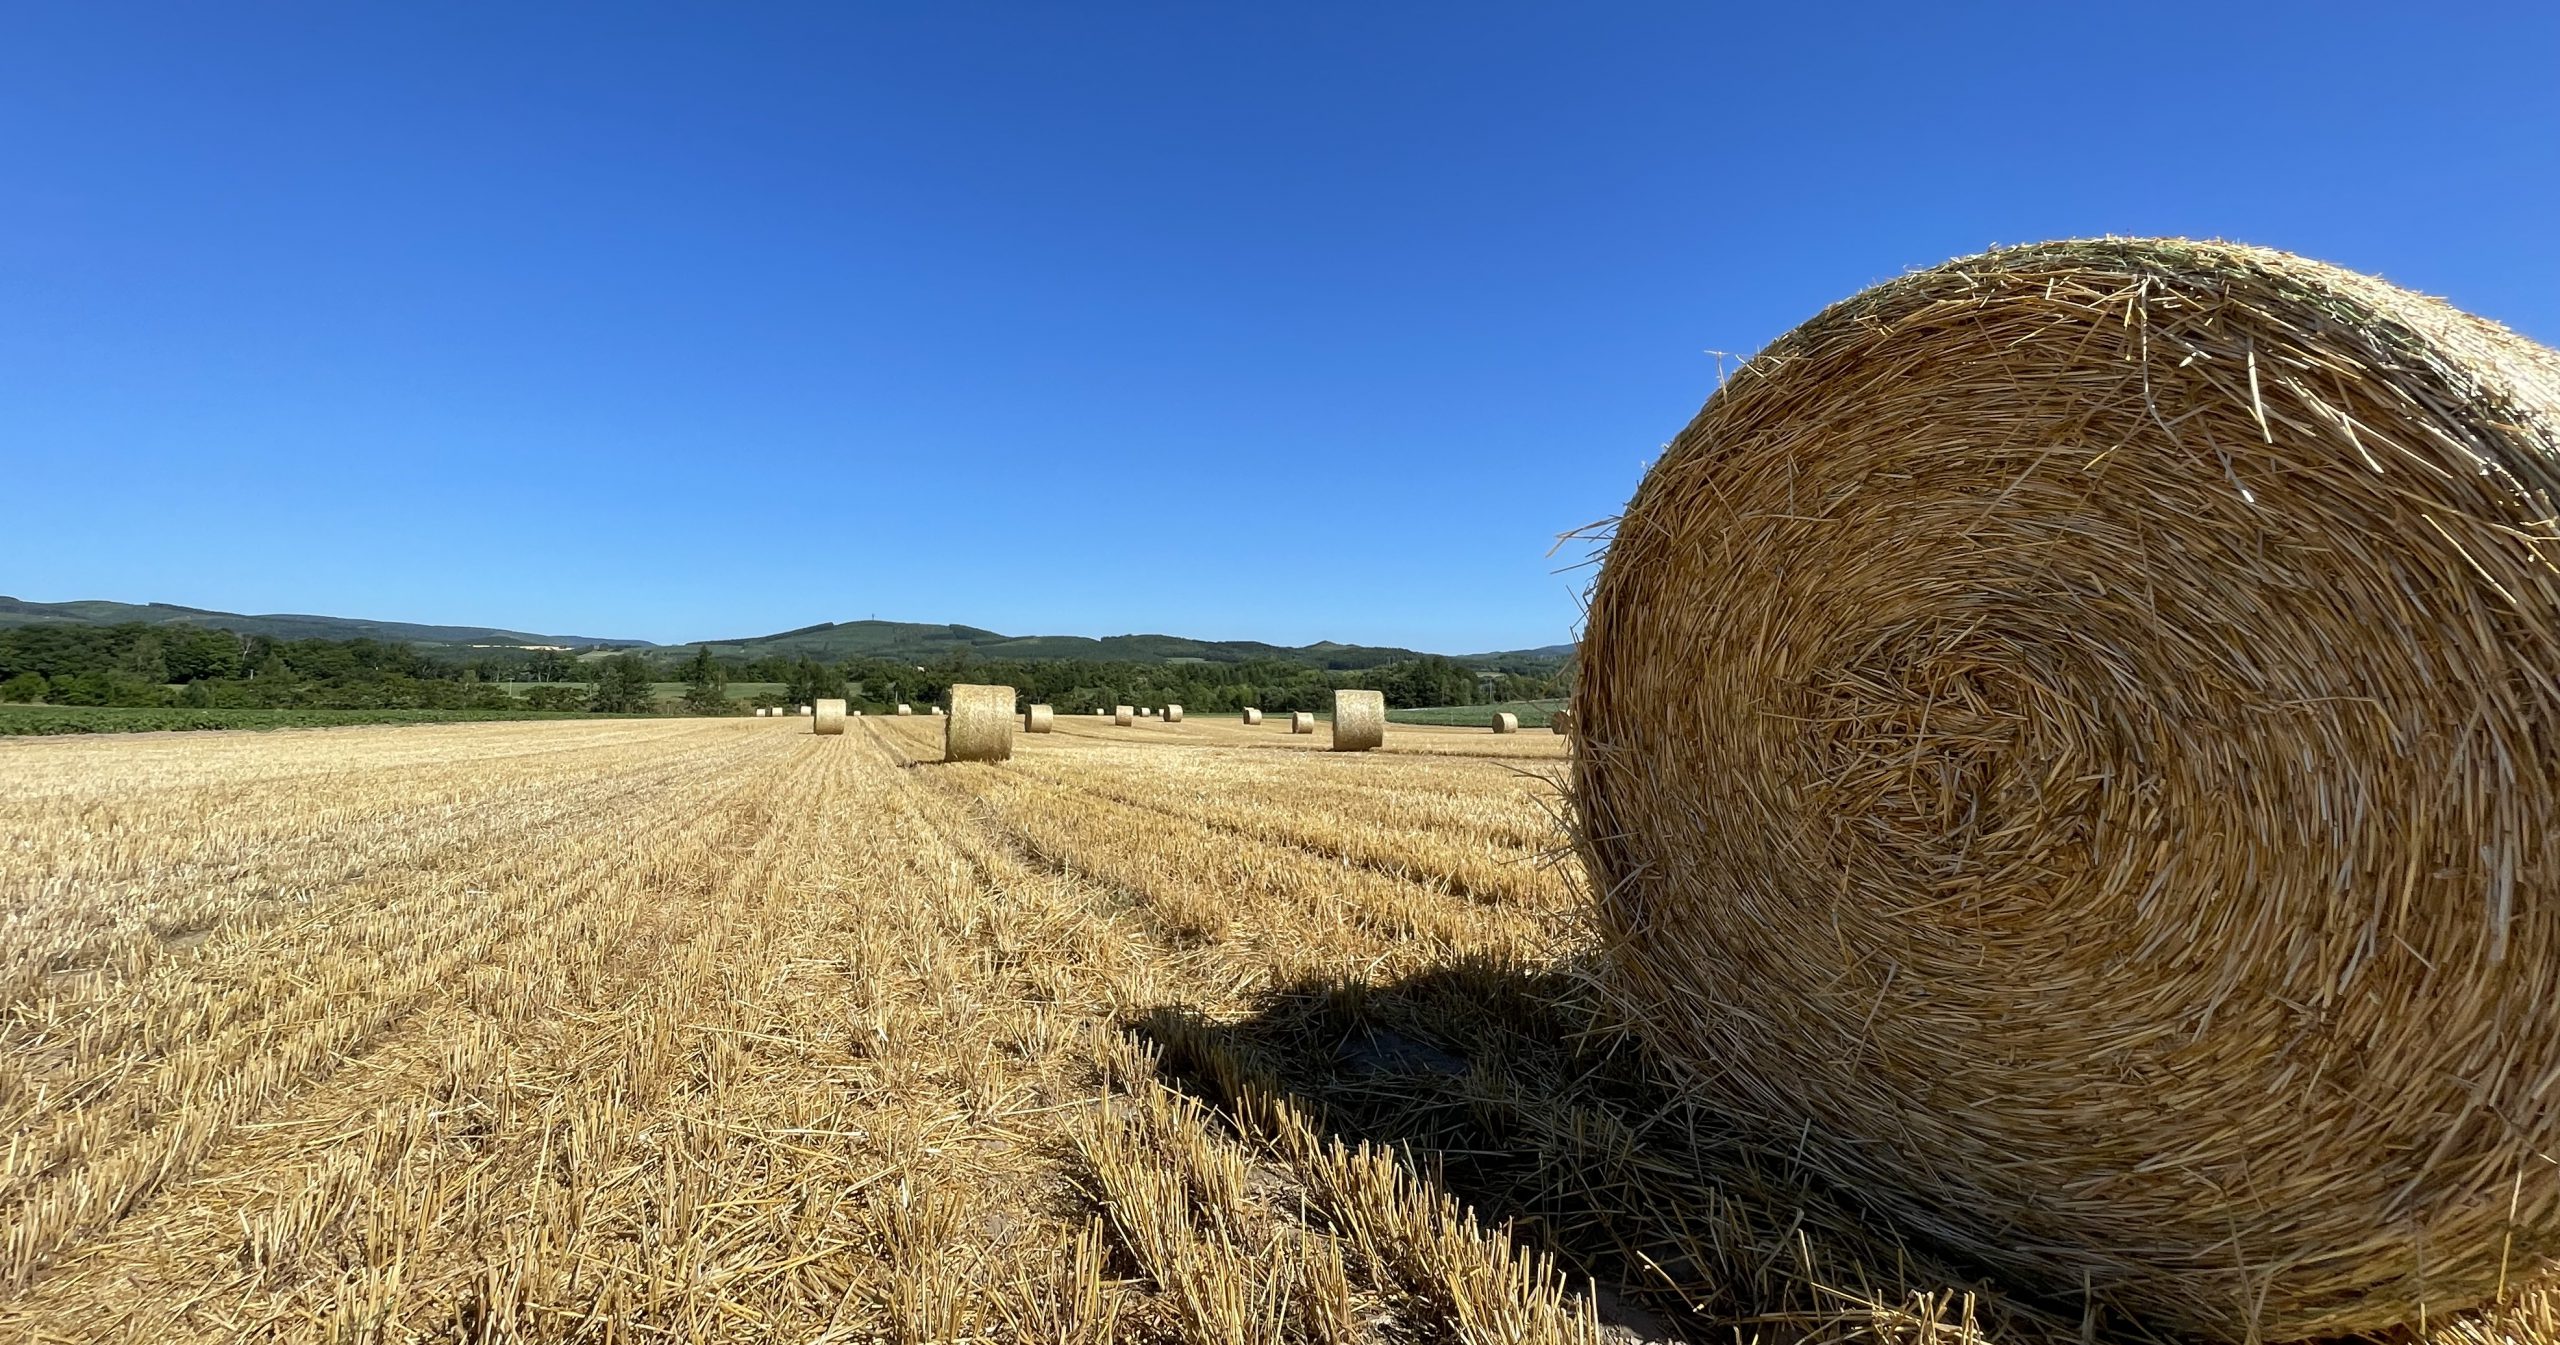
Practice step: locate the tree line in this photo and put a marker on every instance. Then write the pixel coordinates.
(137, 665)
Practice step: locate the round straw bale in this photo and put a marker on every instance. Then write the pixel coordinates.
(2067, 744)
(980, 727)
(1039, 719)
(1359, 720)
(1504, 722)
(905, 709)
(829, 717)
(1302, 721)
(1252, 715)
(1560, 722)
(1173, 714)
(803, 710)
(1122, 716)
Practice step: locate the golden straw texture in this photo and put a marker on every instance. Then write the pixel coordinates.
(1252, 716)
(980, 727)
(1359, 720)
(829, 717)
(1302, 721)
(1504, 722)
(2067, 744)
(1039, 719)
(1123, 716)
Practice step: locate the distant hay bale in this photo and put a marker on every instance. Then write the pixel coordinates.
(1359, 720)
(857, 714)
(905, 709)
(1505, 722)
(980, 726)
(1252, 715)
(1173, 714)
(1560, 722)
(934, 710)
(1100, 713)
(802, 710)
(1039, 719)
(1302, 721)
(829, 717)
(1122, 716)
(2065, 742)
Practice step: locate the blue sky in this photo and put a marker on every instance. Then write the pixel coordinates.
(1284, 323)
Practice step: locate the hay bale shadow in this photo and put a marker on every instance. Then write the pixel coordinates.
(1508, 1088)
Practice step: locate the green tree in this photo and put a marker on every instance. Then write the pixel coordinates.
(706, 684)
(622, 686)
(26, 689)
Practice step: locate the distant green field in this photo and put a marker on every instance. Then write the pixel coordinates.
(23, 720)
(1533, 714)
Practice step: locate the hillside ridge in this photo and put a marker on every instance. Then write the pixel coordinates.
(825, 641)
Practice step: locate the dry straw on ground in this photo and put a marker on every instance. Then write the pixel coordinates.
(1252, 716)
(1039, 719)
(829, 717)
(1123, 716)
(1505, 722)
(2067, 745)
(1302, 721)
(980, 727)
(1359, 720)
(1561, 722)
(1173, 714)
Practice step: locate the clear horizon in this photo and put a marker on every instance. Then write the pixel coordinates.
(1319, 325)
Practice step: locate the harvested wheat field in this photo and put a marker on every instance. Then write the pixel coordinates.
(714, 1030)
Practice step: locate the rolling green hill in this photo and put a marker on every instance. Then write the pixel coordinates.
(283, 625)
(911, 640)
(826, 642)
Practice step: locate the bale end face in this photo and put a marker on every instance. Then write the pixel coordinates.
(980, 725)
(827, 717)
(1506, 723)
(1302, 721)
(1173, 714)
(1122, 716)
(2207, 578)
(1039, 719)
(1359, 720)
(1252, 716)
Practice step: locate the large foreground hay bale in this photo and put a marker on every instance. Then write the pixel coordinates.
(829, 717)
(1122, 716)
(1359, 720)
(1252, 716)
(1505, 722)
(2067, 741)
(1039, 719)
(980, 727)
(1302, 721)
